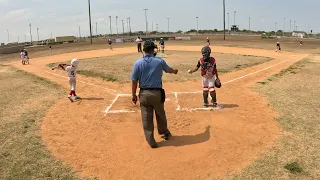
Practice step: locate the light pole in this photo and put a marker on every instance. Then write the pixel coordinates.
(122, 27)
(275, 27)
(90, 21)
(96, 28)
(30, 34)
(79, 32)
(117, 24)
(284, 23)
(228, 22)
(224, 20)
(250, 25)
(197, 24)
(168, 25)
(110, 26)
(130, 25)
(25, 38)
(294, 25)
(290, 26)
(145, 13)
(8, 36)
(38, 34)
(234, 17)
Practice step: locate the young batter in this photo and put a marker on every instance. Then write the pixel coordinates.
(72, 72)
(208, 73)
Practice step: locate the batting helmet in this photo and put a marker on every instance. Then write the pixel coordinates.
(74, 62)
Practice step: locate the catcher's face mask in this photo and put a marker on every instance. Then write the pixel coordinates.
(206, 51)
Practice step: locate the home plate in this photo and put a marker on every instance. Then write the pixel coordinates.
(203, 109)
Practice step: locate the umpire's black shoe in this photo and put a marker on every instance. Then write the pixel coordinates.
(167, 135)
(154, 146)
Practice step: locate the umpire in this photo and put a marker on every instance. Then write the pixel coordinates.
(148, 72)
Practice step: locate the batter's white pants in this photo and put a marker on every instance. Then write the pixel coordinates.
(73, 83)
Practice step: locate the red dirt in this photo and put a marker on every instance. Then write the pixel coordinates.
(113, 146)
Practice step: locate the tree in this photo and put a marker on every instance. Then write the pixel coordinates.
(179, 32)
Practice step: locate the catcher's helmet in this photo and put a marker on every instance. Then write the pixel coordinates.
(74, 62)
(217, 83)
(149, 46)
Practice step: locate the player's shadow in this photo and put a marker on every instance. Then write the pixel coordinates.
(229, 106)
(187, 139)
(90, 99)
(93, 99)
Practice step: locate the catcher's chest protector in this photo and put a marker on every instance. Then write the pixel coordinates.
(207, 68)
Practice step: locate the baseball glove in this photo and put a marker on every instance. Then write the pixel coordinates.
(217, 83)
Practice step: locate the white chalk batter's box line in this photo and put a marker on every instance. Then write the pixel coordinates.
(178, 107)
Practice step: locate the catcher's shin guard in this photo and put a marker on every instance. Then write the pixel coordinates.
(205, 98)
(214, 97)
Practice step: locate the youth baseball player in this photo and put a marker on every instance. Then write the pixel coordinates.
(208, 72)
(22, 56)
(26, 56)
(278, 47)
(110, 44)
(72, 72)
(161, 43)
(208, 41)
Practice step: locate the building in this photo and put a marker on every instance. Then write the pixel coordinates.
(65, 39)
(300, 34)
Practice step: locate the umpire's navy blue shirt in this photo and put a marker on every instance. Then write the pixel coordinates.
(148, 71)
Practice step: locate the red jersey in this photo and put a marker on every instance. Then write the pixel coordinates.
(207, 68)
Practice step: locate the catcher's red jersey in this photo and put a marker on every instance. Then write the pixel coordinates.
(208, 68)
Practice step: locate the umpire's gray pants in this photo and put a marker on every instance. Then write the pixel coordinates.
(150, 100)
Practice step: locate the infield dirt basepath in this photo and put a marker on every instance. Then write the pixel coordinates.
(205, 144)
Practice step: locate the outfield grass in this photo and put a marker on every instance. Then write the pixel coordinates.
(294, 93)
(118, 68)
(24, 99)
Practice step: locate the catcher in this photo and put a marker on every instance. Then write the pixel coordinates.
(72, 71)
(208, 73)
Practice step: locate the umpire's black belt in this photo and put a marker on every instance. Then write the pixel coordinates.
(150, 89)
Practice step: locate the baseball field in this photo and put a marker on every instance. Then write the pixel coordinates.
(267, 128)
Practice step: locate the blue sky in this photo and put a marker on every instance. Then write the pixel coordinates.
(64, 17)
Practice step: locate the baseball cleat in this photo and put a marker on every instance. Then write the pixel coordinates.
(70, 98)
(77, 98)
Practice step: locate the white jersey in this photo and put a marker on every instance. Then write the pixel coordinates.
(72, 71)
(22, 54)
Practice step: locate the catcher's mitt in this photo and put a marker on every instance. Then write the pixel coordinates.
(217, 83)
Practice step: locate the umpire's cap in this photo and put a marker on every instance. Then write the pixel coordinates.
(149, 46)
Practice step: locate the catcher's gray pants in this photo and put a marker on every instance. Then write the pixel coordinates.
(150, 101)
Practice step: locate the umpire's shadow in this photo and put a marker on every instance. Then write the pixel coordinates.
(188, 139)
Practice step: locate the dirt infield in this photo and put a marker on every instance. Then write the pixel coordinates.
(205, 144)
